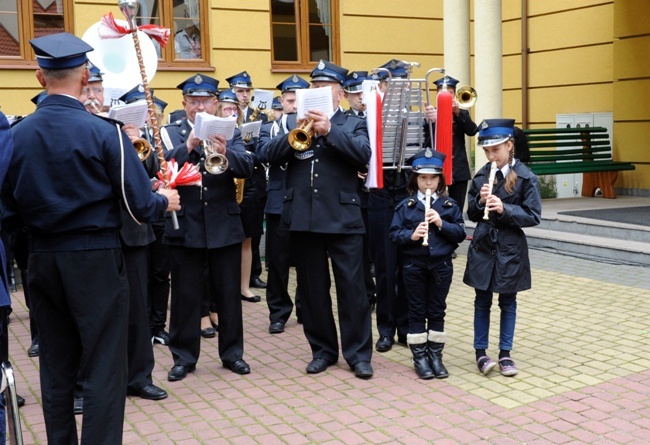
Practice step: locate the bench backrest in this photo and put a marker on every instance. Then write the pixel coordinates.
(568, 144)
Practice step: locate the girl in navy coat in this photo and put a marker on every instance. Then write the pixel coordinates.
(497, 260)
(427, 269)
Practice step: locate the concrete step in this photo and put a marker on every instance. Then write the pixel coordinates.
(597, 228)
(585, 240)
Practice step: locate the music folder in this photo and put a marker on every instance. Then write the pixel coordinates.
(134, 113)
(252, 128)
(263, 99)
(206, 125)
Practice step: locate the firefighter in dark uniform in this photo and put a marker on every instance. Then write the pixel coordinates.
(199, 95)
(321, 209)
(210, 235)
(278, 246)
(64, 187)
(392, 306)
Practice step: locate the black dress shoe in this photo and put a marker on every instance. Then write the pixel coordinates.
(20, 400)
(161, 336)
(253, 299)
(384, 344)
(78, 405)
(34, 349)
(208, 332)
(363, 370)
(317, 365)
(149, 392)
(258, 283)
(276, 328)
(238, 366)
(179, 372)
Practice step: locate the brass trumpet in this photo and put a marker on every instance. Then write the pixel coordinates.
(466, 97)
(300, 138)
(142, 148)
(215, 163)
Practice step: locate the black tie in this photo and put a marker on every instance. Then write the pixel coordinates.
(361, 114)
(499, 176)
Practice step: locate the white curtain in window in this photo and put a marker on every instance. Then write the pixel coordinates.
(193, 10)
(324, 14)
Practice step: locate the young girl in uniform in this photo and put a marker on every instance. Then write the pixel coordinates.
(497, 259)
(427, 267)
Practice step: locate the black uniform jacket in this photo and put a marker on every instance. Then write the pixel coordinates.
(442, 241)
(277, 180)
(209, 215)
(66, 174)
(321, 193)
(497, 259)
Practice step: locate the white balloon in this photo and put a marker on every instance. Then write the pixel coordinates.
(117, 58)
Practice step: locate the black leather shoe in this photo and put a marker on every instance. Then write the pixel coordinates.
(253, 299)
(208, 332)
(20, 400)
(34, 349)
(258, 283)
(161, 336)
(363, 370)
(238, 366)
(276, 328)
(149, 392)
(78, 405)
(384, 344)
(179, 372)
(317, 365)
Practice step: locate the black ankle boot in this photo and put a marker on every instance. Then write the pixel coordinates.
(418, 345)
(435, 345)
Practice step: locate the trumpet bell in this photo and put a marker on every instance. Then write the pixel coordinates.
(142, 148)
(216, 164)
(466, 97)
(300, 138)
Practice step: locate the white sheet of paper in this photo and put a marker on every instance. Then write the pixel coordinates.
(206, 125)
(134, 113)
(251, 127)
(314, 99)
(112, 95)
(263, 99)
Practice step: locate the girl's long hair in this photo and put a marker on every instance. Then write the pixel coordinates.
(511, 178)
(412, 184)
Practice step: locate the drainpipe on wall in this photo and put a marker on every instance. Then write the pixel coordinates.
(524, 63)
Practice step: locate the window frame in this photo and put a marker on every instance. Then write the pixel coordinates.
(27, 58)
(304, 65)
(25, 12)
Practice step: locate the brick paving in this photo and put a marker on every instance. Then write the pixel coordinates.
(582, 345)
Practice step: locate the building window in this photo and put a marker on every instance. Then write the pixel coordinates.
(187, 45)
(303, 32)
(23, 20)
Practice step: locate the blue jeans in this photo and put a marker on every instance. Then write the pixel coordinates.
(508, 306)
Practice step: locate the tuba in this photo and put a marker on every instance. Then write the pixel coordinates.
(300, 138)
(215, 163)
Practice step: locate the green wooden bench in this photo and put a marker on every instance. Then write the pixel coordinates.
(587, 150)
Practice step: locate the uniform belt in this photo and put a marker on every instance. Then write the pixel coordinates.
(61, 242)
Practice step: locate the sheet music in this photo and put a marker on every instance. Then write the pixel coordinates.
(251, 127)
(134, 113)
(206, 125)
(314, 99)
(263, 99)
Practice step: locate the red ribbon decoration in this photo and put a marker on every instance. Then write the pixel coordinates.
(444, 140)
(110, 29)
(189, 174)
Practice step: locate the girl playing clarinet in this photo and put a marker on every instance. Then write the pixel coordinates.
(497, 260)
(427, 234)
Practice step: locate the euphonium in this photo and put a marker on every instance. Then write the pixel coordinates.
(466, 97)
(215, 163)
(142, 148)
(300, 138)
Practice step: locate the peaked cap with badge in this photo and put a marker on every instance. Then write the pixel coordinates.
(495, 131)
(137, 93)
(328, 72)
(240, 80)
(292, 83)
(354, 81)
(199, 85)
(427, 162)
(60, 51)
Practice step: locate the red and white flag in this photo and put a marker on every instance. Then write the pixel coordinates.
(372, 99)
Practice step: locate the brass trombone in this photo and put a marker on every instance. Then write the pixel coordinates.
(300, 137)
(215, 163)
